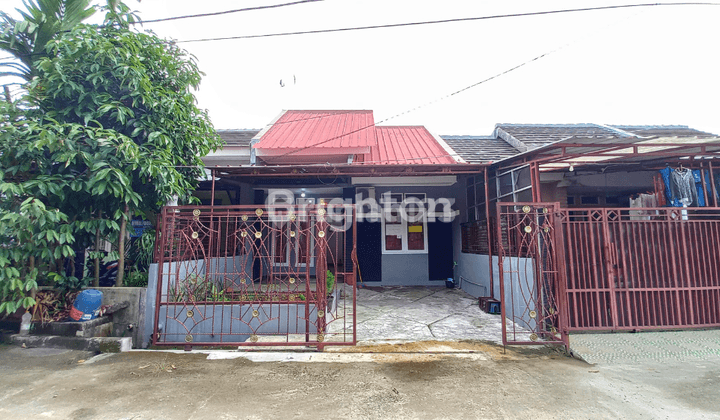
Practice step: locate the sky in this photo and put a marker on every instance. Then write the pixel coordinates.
(654, 65)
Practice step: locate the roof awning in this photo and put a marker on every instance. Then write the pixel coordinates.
(315, 170)
(618, 150)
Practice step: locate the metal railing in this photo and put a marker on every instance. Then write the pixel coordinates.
(256, 276)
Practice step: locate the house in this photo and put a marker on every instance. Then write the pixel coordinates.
(555, 221)
(281, 239)
(310, 156)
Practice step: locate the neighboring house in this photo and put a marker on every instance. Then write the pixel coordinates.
(235, 152)
(624, 267)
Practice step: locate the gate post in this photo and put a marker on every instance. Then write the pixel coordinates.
(612, 273)
(561, 264)
(501, 272)
(162, 233)
(532, 236)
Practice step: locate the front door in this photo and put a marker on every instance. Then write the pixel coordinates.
(440, 250)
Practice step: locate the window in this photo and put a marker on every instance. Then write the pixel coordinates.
(404, 225)
(475, 204)
(474, 238)
(508, 186)
(589, 200)
(515, 185)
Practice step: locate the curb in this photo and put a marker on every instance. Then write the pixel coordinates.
(93, 344)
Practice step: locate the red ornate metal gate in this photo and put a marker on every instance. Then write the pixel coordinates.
(634, 269)
(532, 281)
(256, 276)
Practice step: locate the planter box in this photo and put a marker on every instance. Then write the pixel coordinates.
(128, 321)
(225, 322)
(233, 323)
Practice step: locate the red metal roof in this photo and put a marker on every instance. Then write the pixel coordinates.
(307, 131)
(332, 136)
(407, 145)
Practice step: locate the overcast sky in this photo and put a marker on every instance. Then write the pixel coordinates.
(655, 65)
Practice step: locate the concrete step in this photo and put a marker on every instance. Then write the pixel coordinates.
(94, 344)
(98, 327)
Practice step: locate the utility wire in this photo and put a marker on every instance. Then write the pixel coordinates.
(550, 12)
(226, 12)
(545, 54)
(425, 104)
(434, 22)
(395, 25)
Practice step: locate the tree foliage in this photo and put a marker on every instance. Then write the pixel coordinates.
(139, 86)
(31, 233)
(110, 129)
(42, 21)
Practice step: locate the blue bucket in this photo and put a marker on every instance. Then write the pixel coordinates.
(86, 305)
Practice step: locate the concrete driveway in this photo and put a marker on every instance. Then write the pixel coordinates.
(671, 374)
(647, 347)
(421, 314)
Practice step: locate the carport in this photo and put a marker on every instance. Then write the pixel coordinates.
(407, 313)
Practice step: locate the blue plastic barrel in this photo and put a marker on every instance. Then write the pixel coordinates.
(86, 305)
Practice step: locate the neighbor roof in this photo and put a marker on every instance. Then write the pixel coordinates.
(586, 143)
(237, 137)
(532, 136)
(664, 131)
(480, 149)
(568, 144)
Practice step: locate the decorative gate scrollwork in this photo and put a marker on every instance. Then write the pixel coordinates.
(532, 279)
(260, 275)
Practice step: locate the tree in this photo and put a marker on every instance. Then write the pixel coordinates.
(112, 130)
(141, 87)
(42, 21)
(50, 171)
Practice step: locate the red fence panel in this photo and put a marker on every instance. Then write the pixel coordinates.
(256, 276)
(632, 269)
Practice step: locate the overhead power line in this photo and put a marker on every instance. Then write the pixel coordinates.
(227, 12)
(435, 22)
(449, 95)
(396, 25)
(425, 104)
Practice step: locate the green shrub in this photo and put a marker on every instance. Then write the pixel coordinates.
(136, 279)
(329, 282)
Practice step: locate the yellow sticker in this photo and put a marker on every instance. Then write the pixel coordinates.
(415, 229)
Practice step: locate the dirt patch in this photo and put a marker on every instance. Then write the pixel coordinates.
(493, 350)
(14, 357)
(148, 385)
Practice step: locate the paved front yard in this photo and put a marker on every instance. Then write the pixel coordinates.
(423, 313)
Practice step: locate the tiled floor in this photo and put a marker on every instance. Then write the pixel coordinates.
(423, 313)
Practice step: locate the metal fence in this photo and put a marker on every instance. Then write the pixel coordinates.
(531, 275)
(651, 268)
(256, 276)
